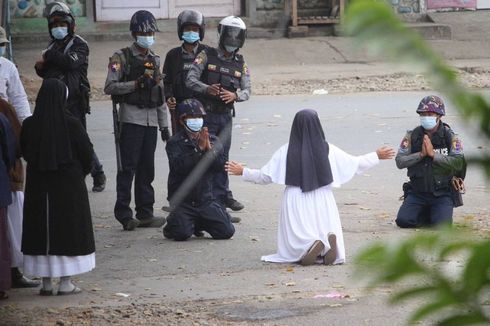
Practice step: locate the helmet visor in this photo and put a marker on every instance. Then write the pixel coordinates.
(191, 17)
(232, 36)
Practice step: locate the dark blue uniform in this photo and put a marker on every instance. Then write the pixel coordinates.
(190, 184)
(429, 198)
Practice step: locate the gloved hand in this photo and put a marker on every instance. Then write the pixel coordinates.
(165, 134)
(145, 82)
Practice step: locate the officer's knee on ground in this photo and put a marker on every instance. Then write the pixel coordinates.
(176, 234)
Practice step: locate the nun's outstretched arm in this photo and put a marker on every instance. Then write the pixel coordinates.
(251, 175)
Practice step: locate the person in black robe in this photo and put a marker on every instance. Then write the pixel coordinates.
(57, 239)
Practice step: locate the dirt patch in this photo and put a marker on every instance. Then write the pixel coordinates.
(476, 78)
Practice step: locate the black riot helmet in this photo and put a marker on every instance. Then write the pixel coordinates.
(232, 32)
(143, 21)
(191, 17)
(59, 12)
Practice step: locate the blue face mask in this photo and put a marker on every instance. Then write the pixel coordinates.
(190, 37)
(194, 124)
(230, 49)
(428, 122)
(2, 51)
(59, 33)
(145, 41)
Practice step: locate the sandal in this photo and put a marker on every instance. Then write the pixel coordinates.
(76, 290)
(310, 257)
(331, 254)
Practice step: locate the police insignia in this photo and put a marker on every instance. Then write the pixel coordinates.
(456, 145)
(212, 67)
(199, 59)
(114, 66)
(404, 145)
(246, 71)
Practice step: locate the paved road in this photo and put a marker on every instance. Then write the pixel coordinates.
(227, 277)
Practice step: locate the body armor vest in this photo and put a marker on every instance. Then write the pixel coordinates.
(134, 68)
(182, 92)
(226, 73)
(423, 176)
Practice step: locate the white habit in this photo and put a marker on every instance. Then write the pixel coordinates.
(309, 216)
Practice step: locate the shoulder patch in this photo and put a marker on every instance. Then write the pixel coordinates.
(456, 145)
(246, 71)
(200, 58)
(405, 144)
(115, 63)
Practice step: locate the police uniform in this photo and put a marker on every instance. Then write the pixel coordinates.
(177, 63)
(141, 113)
(198, 210)
(428, 198)
(212, 67)
(67, 60)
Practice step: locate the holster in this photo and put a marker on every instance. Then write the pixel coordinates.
(457, 191)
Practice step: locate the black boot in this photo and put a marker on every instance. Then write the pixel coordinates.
(20, 281)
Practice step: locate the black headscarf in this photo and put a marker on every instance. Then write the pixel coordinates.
(50, 131)
(307, 164)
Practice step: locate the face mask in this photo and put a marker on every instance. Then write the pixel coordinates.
(428, 122)
(190, 37)
(194, 124)
(230, 49)
(2, 51)
(59, 33)
(145, 41)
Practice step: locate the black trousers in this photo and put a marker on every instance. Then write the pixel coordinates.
(137, 145)
(210, 217)
(221, 125)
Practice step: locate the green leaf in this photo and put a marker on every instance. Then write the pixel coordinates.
(413, 292)
(469, 319)
(430, 308)
(477, 271)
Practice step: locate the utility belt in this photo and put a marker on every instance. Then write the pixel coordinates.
(217, 106)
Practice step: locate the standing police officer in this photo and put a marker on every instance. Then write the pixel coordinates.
(66, 58)
(190, 29)
(221, 78)
(432, 154)
(134, 81)
(194, 157)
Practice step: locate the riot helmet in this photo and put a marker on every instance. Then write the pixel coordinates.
(143, 21)
(232, 32)
(432, 103)
(190, 107)
(59, 12)
(191, 17)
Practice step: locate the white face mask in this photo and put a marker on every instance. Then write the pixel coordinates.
(230, 49)
(59, 33)
(145, 41)
(194, 124)
(428, 122)
(2, 51)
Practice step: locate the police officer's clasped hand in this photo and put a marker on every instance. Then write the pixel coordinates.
(227, 96)
(204, 143)
(145, 82)
(429, 148)
(165, 134)
(171, 103)
(213, 89)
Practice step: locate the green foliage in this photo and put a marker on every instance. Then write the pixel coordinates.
(422, 267)
(377, 28)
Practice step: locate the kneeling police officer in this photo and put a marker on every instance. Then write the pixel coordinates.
(194, 158)
(433, 155)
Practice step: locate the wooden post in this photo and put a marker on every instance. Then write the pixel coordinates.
(294, 12)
